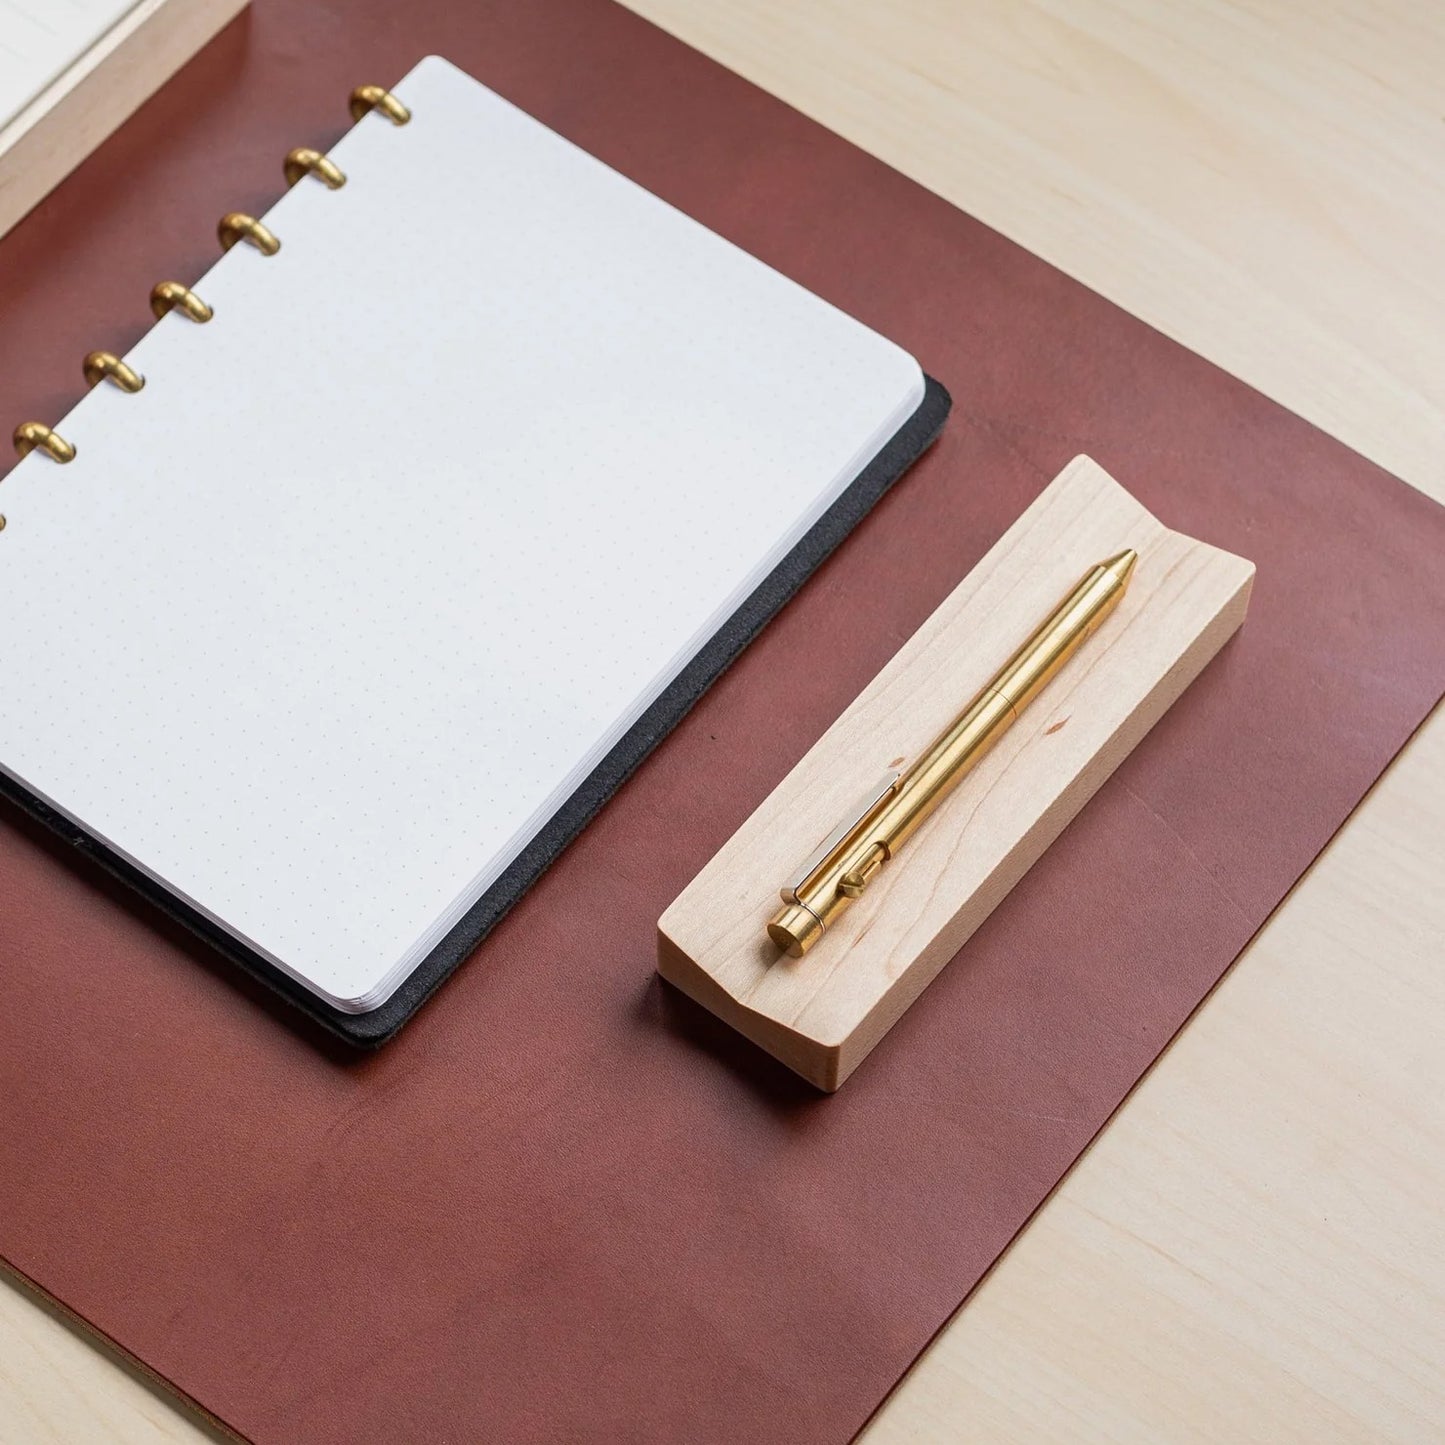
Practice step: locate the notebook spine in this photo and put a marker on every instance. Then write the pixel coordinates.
(169, 296)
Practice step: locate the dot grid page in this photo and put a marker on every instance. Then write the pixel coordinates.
(320, 627)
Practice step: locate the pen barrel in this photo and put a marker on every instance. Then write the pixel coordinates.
(1062, 633)
(945, 763)
(963, 744)
(846, 865)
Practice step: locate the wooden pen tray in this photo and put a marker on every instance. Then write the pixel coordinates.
(823, 1013)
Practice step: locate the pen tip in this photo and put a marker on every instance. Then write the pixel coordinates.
(1122, 565)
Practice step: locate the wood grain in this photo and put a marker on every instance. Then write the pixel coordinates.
(1252, 1252)
(41, 145)
(1252, 1249)
(822, 1015)
(1260, 179)
(61, 1382)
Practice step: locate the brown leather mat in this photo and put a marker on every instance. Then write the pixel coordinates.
(563, 1204)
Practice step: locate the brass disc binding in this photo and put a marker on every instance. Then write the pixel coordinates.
(374, 97)
(304, 161)
(238, 226)
(172, 296)
(169, 296)
(101, 366)
(31, 436)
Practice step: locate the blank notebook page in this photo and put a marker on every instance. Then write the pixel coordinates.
(321, 626)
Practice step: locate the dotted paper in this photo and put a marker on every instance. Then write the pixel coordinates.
(323, 625)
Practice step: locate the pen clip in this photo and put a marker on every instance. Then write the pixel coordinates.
(820, 855)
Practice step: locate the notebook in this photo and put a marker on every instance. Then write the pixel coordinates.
(331, 636)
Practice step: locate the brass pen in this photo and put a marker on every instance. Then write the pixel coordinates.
(844, 864)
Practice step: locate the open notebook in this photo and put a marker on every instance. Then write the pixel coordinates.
(332, 635)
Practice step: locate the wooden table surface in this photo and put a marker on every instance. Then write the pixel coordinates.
(1254, 1250)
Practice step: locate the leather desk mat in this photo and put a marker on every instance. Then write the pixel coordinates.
(563, 1204)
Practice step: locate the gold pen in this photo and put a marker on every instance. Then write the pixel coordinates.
(849, 858)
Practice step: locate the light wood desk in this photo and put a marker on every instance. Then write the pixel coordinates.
(1255, 1248)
